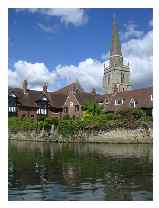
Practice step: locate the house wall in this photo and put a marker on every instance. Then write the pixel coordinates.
(32, 112)
(55, 113)
(70, 103)
(26, 112)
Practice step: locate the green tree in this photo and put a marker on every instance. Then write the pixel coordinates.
(93, 108)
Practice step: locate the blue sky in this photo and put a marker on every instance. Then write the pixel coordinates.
(62, 45)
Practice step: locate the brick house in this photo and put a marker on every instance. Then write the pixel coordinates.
(70, 100)
(23, 102)
(139, 98)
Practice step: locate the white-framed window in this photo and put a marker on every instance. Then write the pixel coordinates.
(12, 95)
(42, 105)
(42, 111)
(133, 103)
(44, 98)
(71, 104)
(11, 109)
(151, 97)
(119, 101)
(12, 103)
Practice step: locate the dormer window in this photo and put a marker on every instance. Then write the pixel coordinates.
(133, 103)
(42, 106)
(12, 95)
(44, 98)
(12, 105)
(119, 101)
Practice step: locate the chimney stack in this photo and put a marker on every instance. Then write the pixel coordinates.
(74, 87)
(115, 89)
(45, 87)
(25, 86)
(93, 92)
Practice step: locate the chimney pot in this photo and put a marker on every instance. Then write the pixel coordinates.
(93, 91)
(45, 87)
(25, 86)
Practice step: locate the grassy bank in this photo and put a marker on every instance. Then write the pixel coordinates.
(70, 127)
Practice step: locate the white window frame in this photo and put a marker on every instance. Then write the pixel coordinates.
(71, 104)
(151, 97)
(41, 111)
(12, 95)
(133, 101)
(116, 103)
(44, 98)
(12, 109)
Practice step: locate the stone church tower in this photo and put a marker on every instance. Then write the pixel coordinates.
(117, 74)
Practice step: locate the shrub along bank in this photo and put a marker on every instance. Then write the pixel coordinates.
(127, 119)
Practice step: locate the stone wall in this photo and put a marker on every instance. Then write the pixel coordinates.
(88, 136)
(124, 136)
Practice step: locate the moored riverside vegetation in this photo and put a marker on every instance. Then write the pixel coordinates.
(94, 120)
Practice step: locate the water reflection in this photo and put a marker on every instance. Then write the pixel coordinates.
(43, 171)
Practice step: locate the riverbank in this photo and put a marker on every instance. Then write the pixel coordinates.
(123, 126)
(117, 136)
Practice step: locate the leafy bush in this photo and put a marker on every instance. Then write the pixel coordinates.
(93, 108)
(128, 118)
(130, 113)
(15, 123)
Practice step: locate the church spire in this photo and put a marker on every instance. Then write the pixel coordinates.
(117, 74)
(116, 46)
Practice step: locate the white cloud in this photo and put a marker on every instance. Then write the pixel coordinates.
(46, 28)
(36, 74)
(139, 52)
(74, 16)
(89, 72)
(131, 32)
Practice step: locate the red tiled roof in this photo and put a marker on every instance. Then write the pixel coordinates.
(58, 98)
(65, 90)
(142, 96)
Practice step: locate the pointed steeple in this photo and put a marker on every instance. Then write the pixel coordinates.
(117, 74)
(116, 46)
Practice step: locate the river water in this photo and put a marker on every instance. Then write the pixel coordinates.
(51, 171)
